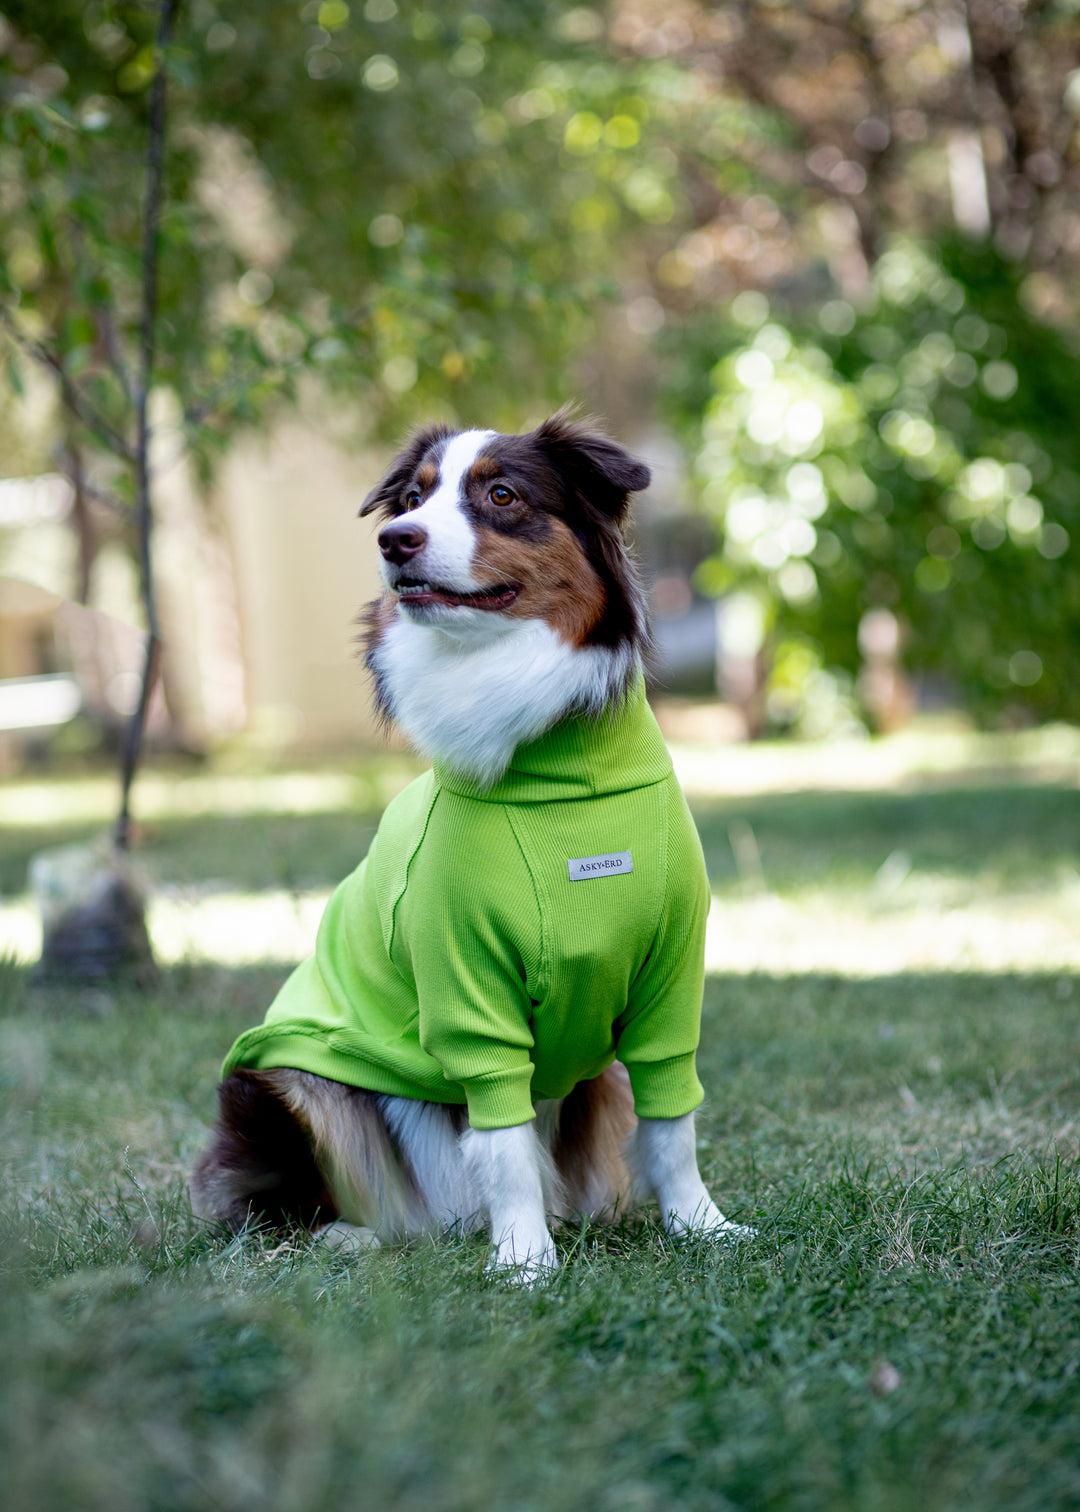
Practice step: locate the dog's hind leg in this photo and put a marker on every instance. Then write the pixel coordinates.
(293, 1148)
(594, 1123)
(372, 1188)
(260, 1167)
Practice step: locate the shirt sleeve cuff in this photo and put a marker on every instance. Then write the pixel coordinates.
(500, 1099)
(665, 1089)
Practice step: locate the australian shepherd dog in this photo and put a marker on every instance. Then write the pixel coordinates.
(511, 612)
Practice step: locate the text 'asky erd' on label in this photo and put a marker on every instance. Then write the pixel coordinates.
(615, 864)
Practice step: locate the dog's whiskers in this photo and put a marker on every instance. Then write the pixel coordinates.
(491, 567)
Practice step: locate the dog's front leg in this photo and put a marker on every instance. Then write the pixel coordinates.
(504, 1168)
(663, 1157)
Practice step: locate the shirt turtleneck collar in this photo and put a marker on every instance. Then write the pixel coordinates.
(581, 757)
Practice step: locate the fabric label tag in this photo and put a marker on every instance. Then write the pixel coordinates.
(615, 864)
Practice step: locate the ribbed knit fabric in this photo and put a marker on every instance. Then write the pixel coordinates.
(459, 963)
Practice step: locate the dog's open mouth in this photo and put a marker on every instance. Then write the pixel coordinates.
(417, 593)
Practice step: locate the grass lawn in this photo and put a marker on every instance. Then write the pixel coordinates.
(893, 1101)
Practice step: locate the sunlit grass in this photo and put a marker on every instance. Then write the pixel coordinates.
(239, 867)
(220, 928)
(166, 795)
(818, 929)
(936, 750)
(827, 929)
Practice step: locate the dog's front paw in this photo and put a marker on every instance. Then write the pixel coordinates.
(522, 1261)
(705, 1221)
(349, 1238)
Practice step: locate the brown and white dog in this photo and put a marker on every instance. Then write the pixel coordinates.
(511, 602)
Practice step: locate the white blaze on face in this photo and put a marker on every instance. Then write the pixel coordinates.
(468, 684)
(446, 561)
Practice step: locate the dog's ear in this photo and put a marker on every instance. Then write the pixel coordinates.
(599, 469)
(387, 492)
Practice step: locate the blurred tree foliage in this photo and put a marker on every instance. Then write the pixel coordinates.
(890, 432)
(845, 237)
(372, 192)
(916, 463)
(413, 206)
(417, 205)
(820, 130)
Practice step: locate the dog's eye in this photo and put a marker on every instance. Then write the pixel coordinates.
(412, 499)
(501, 495)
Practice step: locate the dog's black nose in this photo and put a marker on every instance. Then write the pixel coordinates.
(401, 539)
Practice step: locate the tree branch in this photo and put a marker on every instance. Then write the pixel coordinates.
(155, 172)
(74, 400)
(108, 500)
(84, 528)
(111, 342)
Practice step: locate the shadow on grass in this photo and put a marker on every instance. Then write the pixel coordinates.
(773, 1049)
(900, 1335)
(247, 851)
(879, 1345)
(817, 1042)
(808, 837)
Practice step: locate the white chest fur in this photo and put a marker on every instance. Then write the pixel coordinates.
(472, 702)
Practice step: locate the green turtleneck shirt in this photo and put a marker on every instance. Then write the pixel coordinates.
(460, 962)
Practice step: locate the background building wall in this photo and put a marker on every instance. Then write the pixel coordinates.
(304, 565)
